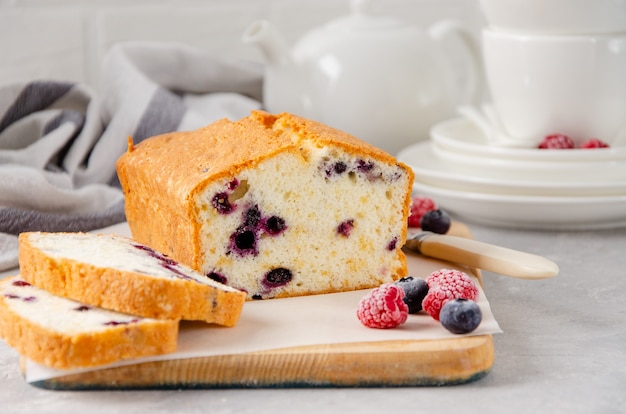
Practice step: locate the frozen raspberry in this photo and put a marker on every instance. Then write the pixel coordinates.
(445, 285)
(556, 141)
(449, 276)
(420, 206)
(383, 307)
(594, 143)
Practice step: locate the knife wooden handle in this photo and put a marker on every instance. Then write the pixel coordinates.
(484, 256)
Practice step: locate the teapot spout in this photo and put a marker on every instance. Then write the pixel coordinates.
(271, 43)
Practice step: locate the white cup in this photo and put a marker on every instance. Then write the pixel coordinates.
(556, 16)
(545, 84)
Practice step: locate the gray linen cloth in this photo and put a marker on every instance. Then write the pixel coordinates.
(59, 141)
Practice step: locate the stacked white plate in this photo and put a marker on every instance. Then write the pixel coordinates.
(519, 187)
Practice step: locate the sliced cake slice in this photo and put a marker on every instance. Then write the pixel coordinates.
(62, 333)
(117, 273)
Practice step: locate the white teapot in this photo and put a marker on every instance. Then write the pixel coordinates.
(374, 77)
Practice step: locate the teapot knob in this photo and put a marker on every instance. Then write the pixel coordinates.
(362, 7)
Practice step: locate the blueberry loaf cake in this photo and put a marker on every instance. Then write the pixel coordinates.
(274, 205)
(117, 273)
(62, 333)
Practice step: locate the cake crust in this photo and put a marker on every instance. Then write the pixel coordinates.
(65, 350)
(125, 291)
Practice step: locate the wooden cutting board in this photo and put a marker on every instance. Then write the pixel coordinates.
(360, 364)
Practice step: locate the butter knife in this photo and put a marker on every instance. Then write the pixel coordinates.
(481, 255)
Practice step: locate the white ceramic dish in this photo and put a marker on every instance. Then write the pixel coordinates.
(530, 212)
(428, 170)
(462, 135)
(521, 170)
(430, 156)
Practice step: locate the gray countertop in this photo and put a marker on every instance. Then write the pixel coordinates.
(563, 350)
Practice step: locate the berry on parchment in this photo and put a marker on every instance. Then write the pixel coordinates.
(460, 316)
(437, 221)
(415, 290)
(445, 285)
(420, 205)
(383, 307)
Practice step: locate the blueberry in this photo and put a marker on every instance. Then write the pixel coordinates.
(116, 323)
(274, 225)
(437, 221)
(244, 240)
(340, 167)
(221, 203)
(277, 277)
(345, 228)
(460, 316)
(233, 184)
(252, 217)
(415, 290)
(218, 277)
(337, 168)
(365, 166)
(177, 273)
(145, 249)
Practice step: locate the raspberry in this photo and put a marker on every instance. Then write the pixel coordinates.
(594, 143)
(448, 276)
(445, 285)
(557, 141)
(383, 307)
(420, 206)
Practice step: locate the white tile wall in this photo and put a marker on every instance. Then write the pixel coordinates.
(66, 39)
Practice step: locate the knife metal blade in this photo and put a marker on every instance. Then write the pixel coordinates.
(481, 255)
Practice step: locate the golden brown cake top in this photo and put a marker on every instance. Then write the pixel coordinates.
(188, 159)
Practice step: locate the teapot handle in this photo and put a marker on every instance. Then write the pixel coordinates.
(443, 31)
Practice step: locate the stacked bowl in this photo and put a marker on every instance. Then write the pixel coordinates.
(519, 187)
(551, 67)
